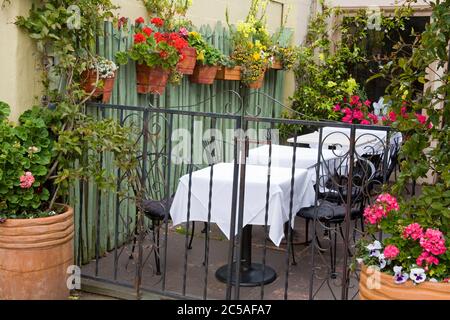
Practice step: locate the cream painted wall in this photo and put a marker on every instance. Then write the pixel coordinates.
(19, 65)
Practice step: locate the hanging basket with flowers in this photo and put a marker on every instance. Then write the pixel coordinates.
(156, 53)
(251, 42)
(98, 79)
(208, 59)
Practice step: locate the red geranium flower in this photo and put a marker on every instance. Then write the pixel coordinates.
(147, 31)
(163, 54)
(157, 22)
(159, 37)
(139, 38)
(139, 20)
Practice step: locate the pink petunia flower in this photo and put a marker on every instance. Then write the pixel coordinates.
(358, 114)
(391, 252)
(392, 116)
(373, 117)
(367, 103)
(354, 100)
(421, 118)
(337, 108)
(27, 180)
(365, 121)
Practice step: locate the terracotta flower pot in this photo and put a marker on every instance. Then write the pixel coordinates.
(204, 74)
(258, 83)
(229, 73)
(276, 64)
(187, 66)
(104, 87)
(34, 257)
(151, 80)
(388, 290)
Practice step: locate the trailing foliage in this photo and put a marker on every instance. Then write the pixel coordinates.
(54, 147)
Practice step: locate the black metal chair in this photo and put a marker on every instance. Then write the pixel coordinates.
(154, 210)
(332, 207)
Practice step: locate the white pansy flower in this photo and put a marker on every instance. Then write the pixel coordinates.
(417, 275)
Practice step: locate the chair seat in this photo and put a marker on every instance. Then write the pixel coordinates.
(328, 211)
(156, 209)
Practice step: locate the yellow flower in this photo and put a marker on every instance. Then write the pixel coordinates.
(193, 33)
(256, 56)
(201, 55)
(322, 56)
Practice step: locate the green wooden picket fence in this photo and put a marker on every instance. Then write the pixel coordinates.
(96, 220)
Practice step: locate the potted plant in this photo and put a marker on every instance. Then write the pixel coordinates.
(229, 70)
(411, 262)
(157, 55)
(251, 42)
(283, 58)
(49, 150)
(208, 59)
(187, 64)
(98, 78)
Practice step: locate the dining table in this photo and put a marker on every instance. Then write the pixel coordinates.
(194, 202)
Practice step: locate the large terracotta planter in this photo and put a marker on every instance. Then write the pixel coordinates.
(34, 257)
(258, 83)
(104, 87)
(187, 65)
(204, 74)
(229, 73)
(388, 290)
(151, 80)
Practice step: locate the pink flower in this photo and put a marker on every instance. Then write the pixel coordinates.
(374, 214)
(391, 252)
(364, 121)
(358, 114)
(388, 201)
(433, 241)
(184, 32)
(347, 119)
(27, 180)
(421, 118)
(428, 258)
(367, 103)
(354, 100)
(392, 116)
(373, 117)
(347, 111)
(403, 112)
(413, 231)
(337, 107)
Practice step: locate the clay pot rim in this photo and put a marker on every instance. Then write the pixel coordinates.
(408, 284)
(68, 211)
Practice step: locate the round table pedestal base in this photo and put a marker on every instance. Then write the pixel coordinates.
(250, 277)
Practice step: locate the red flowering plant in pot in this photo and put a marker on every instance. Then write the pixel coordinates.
(412, 261)
(157, 55)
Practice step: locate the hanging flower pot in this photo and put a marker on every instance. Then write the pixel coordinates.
(187, 65)
(376, 285)
(258, 83)
(225, 73)
(103, 87)
(204, 74)
(151, 79)
(276, 64)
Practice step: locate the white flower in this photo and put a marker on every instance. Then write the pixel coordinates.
(359, 260)
(374, 248)
(417, 275)
(382, 261)
(400, 277)
(433, 280)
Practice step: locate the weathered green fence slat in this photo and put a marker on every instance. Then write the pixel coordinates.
(208, 98)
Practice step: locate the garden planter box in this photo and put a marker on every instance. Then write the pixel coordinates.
(104, 87)
(388, 290)
(229, 73)
(204, 74)
(187, 66)
(258, 83)
(34, 257)
(277, 65)
(151, 80)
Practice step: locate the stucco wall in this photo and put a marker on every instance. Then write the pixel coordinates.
(19, 75)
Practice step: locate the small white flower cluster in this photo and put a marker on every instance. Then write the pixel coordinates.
(106, 68)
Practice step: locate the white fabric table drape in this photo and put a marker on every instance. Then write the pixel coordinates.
(255, 197)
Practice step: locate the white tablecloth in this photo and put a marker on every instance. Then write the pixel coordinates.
(367, 141)
(306, 158)
(255, 197)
